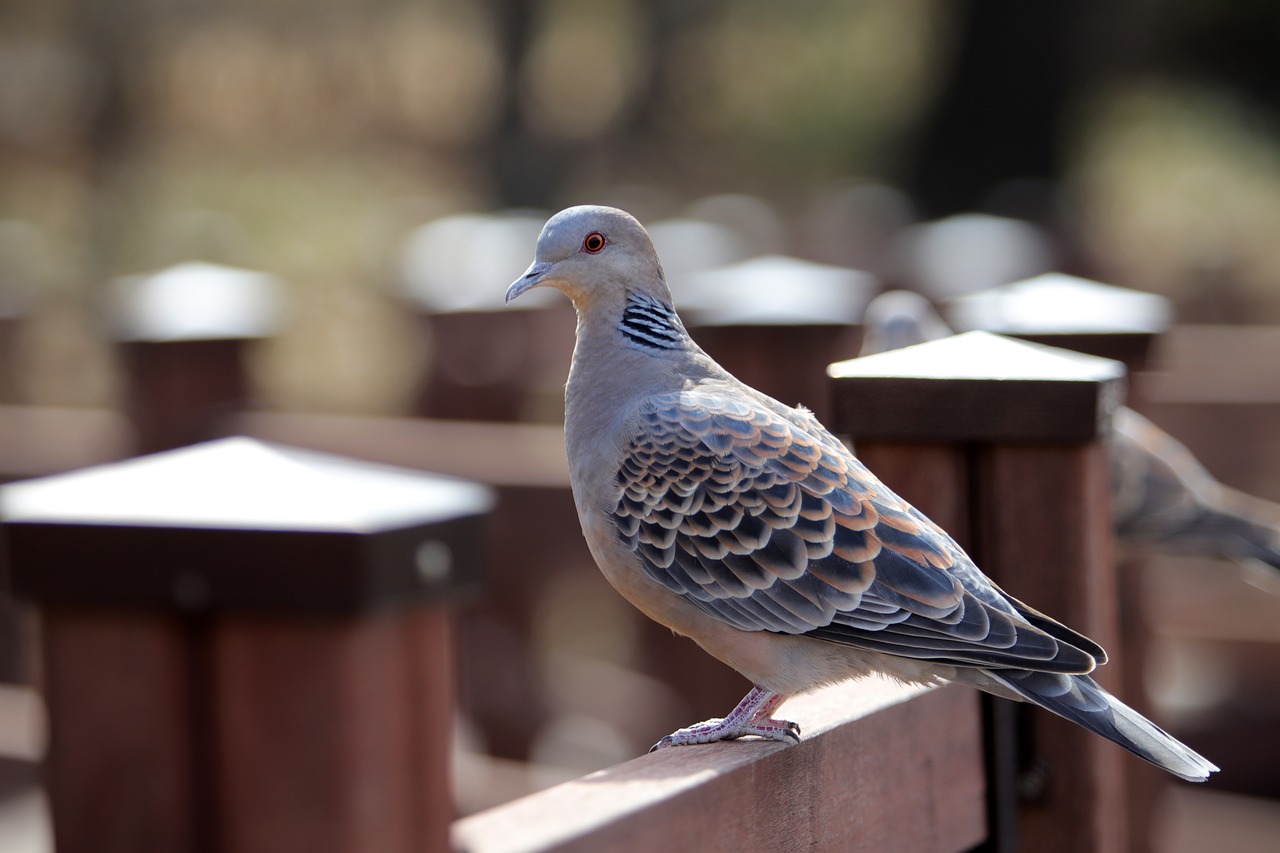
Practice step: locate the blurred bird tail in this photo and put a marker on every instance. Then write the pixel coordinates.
(1082, 700)
(1247, 527)
(1228, 525)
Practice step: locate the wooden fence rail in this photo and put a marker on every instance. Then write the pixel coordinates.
(881, 767)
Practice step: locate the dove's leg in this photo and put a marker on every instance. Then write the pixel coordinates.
(751, 717)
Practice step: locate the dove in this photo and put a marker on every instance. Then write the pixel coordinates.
(1163, 500)
(743, 524)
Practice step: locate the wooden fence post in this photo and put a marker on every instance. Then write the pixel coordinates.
(486, 362)
(247, 648)
(1013, 431)
(1111, 322)
(12, 310)
(183, 333)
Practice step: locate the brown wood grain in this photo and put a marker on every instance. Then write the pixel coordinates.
(881, 767)
(1044, 535)
(333, 736)
(119, 769)
(938, 480)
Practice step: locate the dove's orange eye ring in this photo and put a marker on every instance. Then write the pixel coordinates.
(593, 243)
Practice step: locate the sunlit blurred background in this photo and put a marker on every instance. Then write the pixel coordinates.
(382, 167)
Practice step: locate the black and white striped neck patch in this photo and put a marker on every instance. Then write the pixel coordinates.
(649, 324)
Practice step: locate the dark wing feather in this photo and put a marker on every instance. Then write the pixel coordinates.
(770, 523)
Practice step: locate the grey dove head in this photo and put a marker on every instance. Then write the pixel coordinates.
(594, 254)
(900, 318)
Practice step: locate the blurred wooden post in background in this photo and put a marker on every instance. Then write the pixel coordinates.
(1111, 322)
(183, 333)
(490, 365)
(12, 310)
(1013, 432)
(777, 322)
(247, 647)
(488, 361)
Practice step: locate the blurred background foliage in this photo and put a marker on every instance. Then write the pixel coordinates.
(307, 138)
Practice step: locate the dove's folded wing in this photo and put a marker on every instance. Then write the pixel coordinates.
(772, 525)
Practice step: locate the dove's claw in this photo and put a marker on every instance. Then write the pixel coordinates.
(714, 730)
(749, 719)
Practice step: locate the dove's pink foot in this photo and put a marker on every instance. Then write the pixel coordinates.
(750, 718)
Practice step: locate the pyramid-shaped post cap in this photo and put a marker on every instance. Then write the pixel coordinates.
(1064, 310)
(242, 523)
(976, 387)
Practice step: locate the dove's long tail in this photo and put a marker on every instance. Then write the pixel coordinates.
(1082, 700)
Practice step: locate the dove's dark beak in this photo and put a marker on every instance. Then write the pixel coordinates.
(531, 279)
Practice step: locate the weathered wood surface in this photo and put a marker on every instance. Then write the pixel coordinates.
(880, 767)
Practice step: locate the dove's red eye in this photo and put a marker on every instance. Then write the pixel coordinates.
(593, 242)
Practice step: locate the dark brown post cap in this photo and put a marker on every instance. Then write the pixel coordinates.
(976, 387)
(242, 523)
